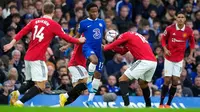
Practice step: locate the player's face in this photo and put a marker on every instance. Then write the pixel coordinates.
(181, 19)
(93, 12)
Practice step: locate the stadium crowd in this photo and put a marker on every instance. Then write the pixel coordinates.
(147, 17)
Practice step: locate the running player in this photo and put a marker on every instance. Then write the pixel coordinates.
(142, 70)
(43, 31)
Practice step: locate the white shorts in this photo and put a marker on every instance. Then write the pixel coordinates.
(141, 69)
(36, 70)
(78, 72)
(173, 68)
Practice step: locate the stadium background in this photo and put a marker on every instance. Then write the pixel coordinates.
(148, 17)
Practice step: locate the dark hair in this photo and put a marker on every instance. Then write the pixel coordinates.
(10, 1)
(61, 67)
(13, 6)
(48, 7)
(91, 5)
(79, 8)
(180, 12)
(17, 15)
(64, 75)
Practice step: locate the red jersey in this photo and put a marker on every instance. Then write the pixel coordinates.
(77, 57)
(175, 41)
(43, 31)
(135, 43)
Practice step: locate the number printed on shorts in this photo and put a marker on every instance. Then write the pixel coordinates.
(38, 33)
(142, 38)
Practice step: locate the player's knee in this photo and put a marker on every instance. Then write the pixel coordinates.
(175, 81)
(40, 85)
(167, 80)
(142, 83)
(123, 78)
(94, 59)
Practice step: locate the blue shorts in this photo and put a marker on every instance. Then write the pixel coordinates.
(88, 51)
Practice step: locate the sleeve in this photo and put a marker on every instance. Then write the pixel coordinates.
(122, 38)
(192, 41)
(165, 37)
(24, 31)
(59, 32)
(120, 50)
(81, 28)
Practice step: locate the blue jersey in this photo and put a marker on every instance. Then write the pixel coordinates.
(93, 31)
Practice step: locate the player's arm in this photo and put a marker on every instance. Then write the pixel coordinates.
(192, 45)
(19, 35)
(120, 50)
(59, 32)
(164, 38)
(122, 38)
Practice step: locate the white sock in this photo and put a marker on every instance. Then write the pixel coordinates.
(95, 85)
(66, 95)
(19, 102)
(91, 67)
(89, 79)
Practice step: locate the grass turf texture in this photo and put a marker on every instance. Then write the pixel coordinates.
(73, 109)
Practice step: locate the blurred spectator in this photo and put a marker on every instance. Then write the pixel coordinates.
(58, 14)
(189, 23)
(7, 9)
(159, 81)
(157, 93)
(24, 9)
(122, 3)
(1, 22)
(6, 39)
(156, 27)
(183, 91)
(2, 74)
(195, 73)
(65, 83)
(78, 17)
(197, 38)
(122, 21)
(185, 79)
(128, 59)
(197, 20)
(101, 13)
(196, 87)
(102, 90)
(169, 16)
(112, 88)
(152, 17)
(113, 66)
(188, 10)
(18, 64)
(160, 7)
(16, 22)
(110, 6)
(32, 10)
(7, 86)
(28, 18)
(144, 8)
(110, 25)
(13, 77)
(38, 6)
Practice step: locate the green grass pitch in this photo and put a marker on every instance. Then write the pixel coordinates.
(73, 109)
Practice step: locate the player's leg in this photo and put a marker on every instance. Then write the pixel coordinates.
(96, 80)
(24, 87)
(39, 76)
(132, 72)
(145, 78)
(177, 69)
(79, 80)
(168, 67)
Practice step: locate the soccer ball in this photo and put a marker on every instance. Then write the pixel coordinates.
(111, 35)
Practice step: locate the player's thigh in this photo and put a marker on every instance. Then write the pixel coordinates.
(27, 70)
(39, 71)
(78, 73)
(151, 67)
(88, 51)
(135, 70)
(177, 69)
(168, 67)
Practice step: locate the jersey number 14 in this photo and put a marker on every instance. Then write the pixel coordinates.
(38, 33)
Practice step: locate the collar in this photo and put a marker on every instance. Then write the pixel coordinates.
(177, 28)
(92, 19)
(46, 16)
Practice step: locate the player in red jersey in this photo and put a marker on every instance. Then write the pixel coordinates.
(142, 70)
(176, 36)
(43, 31)
(76, 67)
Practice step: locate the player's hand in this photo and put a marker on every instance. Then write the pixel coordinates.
(82, 40)
(167, 52)
(102, 46)
(7, 47)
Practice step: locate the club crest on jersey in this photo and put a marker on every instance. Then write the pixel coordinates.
(184, 35)
(100, 25)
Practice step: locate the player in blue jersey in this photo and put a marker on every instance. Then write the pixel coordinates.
(93, 29)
